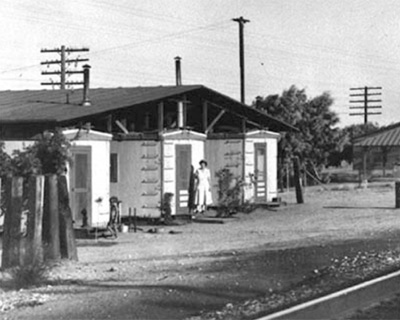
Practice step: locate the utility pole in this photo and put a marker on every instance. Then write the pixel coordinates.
(364, 99)
(241, 22)
(63, 63)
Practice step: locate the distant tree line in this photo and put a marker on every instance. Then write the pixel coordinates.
(319, 142)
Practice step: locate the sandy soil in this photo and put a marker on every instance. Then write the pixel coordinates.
(203, 267)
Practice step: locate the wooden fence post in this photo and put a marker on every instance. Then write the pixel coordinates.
(297, 182)
(34, 247)
(67, 236)
(51, 224)
(12, 222)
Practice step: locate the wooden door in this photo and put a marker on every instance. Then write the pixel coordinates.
(183, 154)
(80, 184)
(260, 172)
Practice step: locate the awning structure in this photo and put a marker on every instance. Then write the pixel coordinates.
(386, 137)
(58, 106)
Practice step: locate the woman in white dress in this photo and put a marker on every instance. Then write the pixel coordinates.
(203, 190)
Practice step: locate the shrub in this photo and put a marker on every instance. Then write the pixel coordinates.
(229, 193)
(34, 274)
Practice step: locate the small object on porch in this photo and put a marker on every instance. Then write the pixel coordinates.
(208, 220)
(84, 218)
(174, 232)
(124, 228)
(114, 216)
(192, 191)
(166, 208)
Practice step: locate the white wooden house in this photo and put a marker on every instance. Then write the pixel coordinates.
(143, 141)
(252, 157)
(88, 173)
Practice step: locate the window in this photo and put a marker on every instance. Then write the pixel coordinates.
(114, 167)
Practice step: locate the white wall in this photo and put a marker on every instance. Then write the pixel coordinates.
(272, 164)
(170, 163)
(100, 175)
(221, 154)
(133, 187)
(10, 146)
(271, 141)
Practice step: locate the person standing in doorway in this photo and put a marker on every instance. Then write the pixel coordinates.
(203, 189)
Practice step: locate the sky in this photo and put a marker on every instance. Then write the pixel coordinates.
(317, 45)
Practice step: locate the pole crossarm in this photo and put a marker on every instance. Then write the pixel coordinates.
(241, 20)
(66, 61)
(363, 101)
(59, 83)
(369, 107)
(369, 94)
(58, 50)
(59, 72)
(363, 88)
(361, 114)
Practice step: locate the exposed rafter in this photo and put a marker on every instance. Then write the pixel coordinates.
(238, 115)
(213, 123)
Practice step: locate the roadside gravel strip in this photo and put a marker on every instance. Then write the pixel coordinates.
(250, 266)
(339, 275)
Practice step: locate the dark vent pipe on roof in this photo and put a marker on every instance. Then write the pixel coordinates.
(178, 71)
(179, 83)
(86, 78)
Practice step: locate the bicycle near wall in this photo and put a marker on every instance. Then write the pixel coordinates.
(115, 216)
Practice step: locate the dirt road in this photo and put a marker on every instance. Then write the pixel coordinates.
(206, 266)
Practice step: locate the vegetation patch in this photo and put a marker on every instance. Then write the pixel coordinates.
(31, 275)
(17, 286)
(19, 299)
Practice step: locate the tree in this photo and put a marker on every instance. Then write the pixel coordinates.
(53, 151)
(50, 154)
(5, 170)
(317, 136)
(344, 150)
(5, 162)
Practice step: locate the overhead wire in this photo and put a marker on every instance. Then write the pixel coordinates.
(223, 47)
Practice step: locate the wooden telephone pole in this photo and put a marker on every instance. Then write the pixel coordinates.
(63, 62)
(363, 98)
(241, 22)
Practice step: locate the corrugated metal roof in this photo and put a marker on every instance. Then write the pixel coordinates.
(52, 105)
(386, 137)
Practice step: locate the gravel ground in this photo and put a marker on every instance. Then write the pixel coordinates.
(204, 267)
(388, 309)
